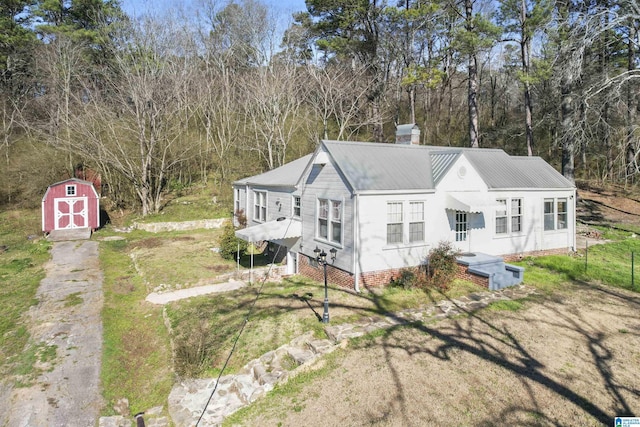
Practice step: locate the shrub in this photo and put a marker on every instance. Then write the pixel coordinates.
(228, 242)
(407, 279)
(442, 265)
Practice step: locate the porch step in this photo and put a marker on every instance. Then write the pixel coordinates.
(69, 234)
(500, 274)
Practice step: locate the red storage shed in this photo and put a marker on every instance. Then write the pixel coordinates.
(72, 203)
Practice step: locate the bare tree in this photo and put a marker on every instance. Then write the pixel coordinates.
(273, 104)
(339, 95)
(133, 124)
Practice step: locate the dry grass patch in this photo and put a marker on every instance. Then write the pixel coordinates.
(562, 362)
(183, 259)
(205, 328)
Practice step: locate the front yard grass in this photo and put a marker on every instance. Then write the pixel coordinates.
(608, 263)
(205, 328)
(22, 258)
(136, 362)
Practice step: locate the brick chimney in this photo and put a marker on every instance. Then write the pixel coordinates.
(408, 134)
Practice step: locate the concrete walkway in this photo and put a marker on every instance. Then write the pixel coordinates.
(188, 398)
(170, 296)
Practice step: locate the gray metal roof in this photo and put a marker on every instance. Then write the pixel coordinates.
(369, 166)
(378, 167)
(501, 171)
(441, 162)
(286, 175)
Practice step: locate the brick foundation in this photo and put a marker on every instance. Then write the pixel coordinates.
(334, 275)
(463, 274)
(380, 278)
(343, 278)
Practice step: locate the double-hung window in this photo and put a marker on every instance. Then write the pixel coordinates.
(394, 223)
(562, 214)
(516, 215)
(556, 214)
(336, 221)
(549, 214)
(260, 206)
(330, 220)
(323, 218)
(416, 222)
(509, 216)
(501, 217)
(296, 206)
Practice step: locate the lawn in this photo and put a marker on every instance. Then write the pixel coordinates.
(22, 257)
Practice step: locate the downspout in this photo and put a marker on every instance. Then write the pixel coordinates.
(356, 245)
(575, 203)
(246, 203)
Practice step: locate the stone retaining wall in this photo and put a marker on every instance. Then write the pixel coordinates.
(156, 227)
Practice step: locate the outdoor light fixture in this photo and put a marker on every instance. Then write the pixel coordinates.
(321, 257)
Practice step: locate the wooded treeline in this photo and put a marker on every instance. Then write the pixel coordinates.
(163, 101)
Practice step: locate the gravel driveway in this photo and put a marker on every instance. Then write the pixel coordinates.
(66, 319)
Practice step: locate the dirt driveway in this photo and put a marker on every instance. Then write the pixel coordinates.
(66, 324)
(569, 359)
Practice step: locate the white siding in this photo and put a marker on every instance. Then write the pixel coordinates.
(374, 252)
(325, 182)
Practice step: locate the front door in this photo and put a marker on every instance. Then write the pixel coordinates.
(71, 213)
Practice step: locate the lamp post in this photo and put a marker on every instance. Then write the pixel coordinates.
(321, 257)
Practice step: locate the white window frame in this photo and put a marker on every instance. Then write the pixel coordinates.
(237, 204)
(549, 218)
(70, 190)
(502, 218)
(323, 219)
(509, 217)
(518, 215)
(416, 220)
(562, 217)
(329, 219)
(296, 206)
(259, 206)
(395, 218)
(335, 221)
(462, 226)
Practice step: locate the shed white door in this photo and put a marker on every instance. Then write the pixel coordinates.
(71, 213)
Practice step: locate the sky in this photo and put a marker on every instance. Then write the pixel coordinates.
(140, 7)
